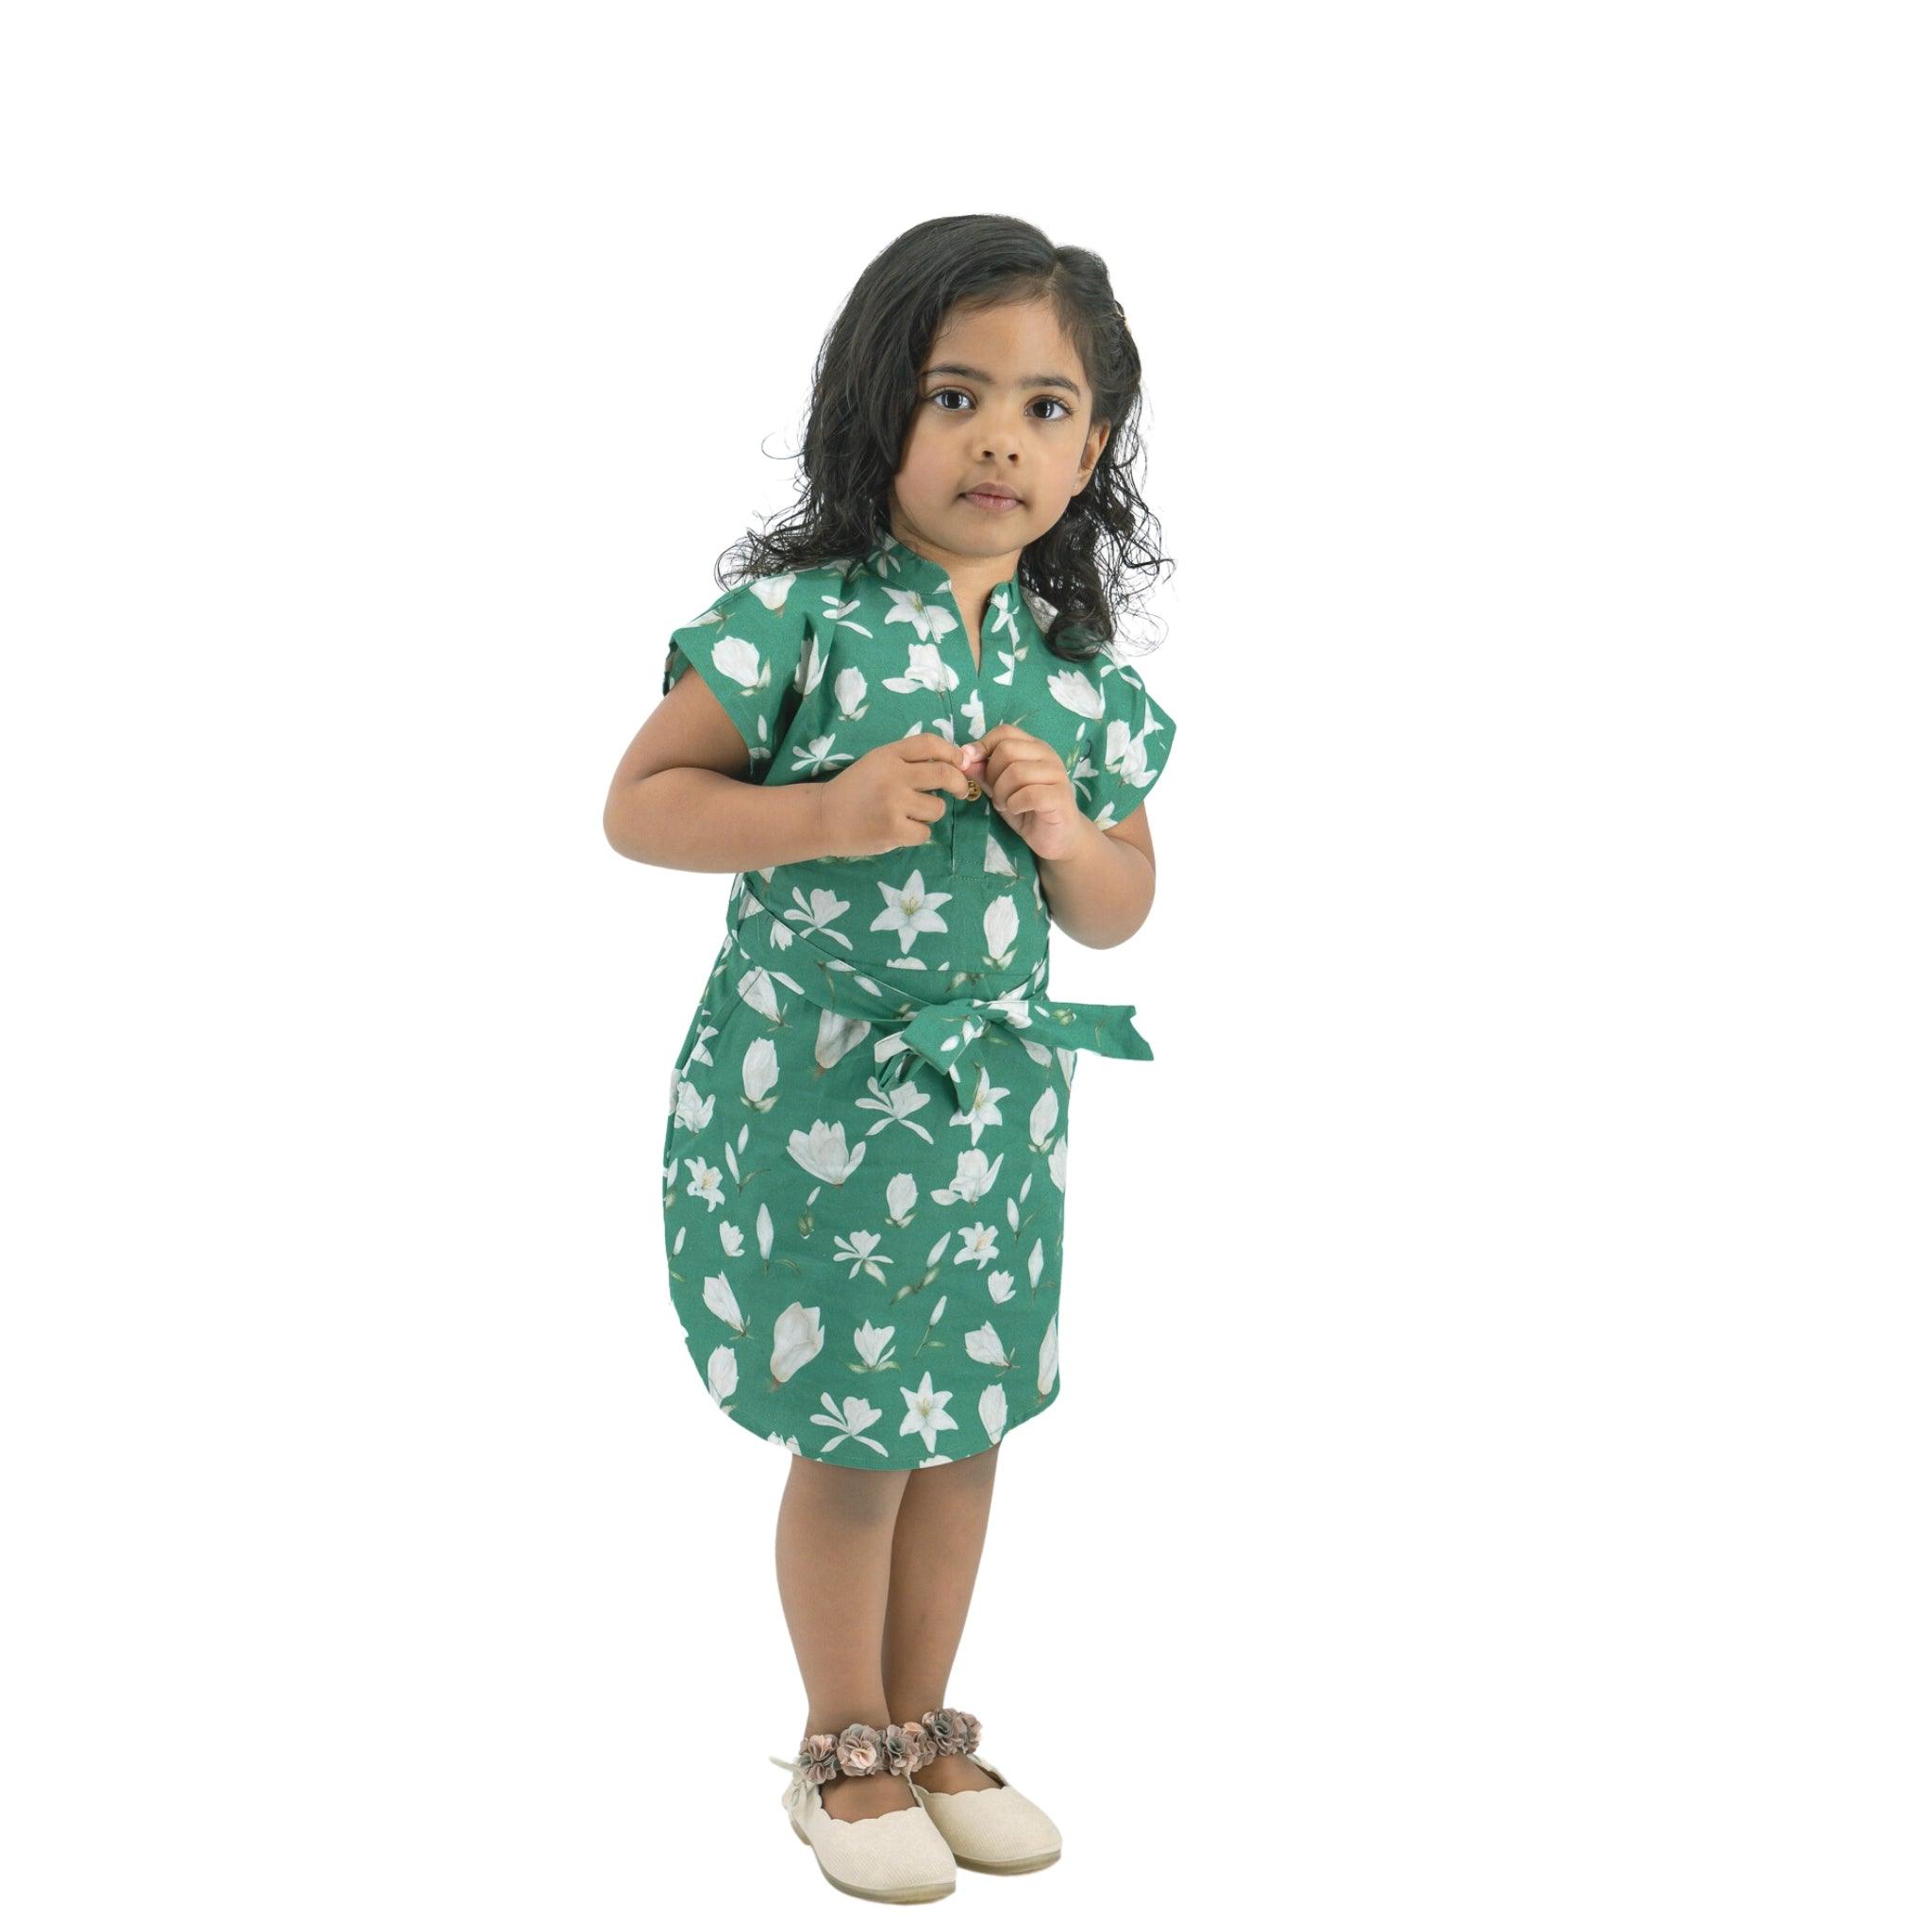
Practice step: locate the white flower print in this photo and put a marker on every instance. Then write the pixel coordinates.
(849, 689)
(874, 1345)
(822, 1152)
(898, 1103)
(816, 755)
(731, 1240)
(930, 622)
(926, 1412)
(772, 591)
(925, 669)
(838, 614)
(1039, 1123)
(817, 914)
(811, 666)
(757, 992)
(1078, 693)
(969, 1029)
(1049, 1356)
(764, 1232)
(975, 712)
(761, 1074)
(997, 859)
(984, 1345)
(1001, 620)
(796, 1336)
(1002, 927)
(1000, 1285)
(979, 1243)
(789, 1442)
(723, 1303)
(902, 1197)
(1126, 754)
(721, 1372)
(704, 1183)
(739, 660)
(1083, 770)
(1057, 1164)
(1036, 1263)
(858, 1248)
(983, 1111)
(846, 1424)
(972, 1178)
(699, 1050)
(1012, 1009)
(910, 909)
(693, 1108)
(993, 1411)
(839, 1033)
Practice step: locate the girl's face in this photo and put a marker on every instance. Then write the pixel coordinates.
(1004, 401)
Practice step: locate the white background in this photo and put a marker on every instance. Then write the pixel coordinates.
(1491, 1483)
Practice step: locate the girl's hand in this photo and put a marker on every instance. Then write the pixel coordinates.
(883, 799)
(1029, 788)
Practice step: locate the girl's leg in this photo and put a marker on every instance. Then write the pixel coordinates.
(835, 1562)
(935, 1547)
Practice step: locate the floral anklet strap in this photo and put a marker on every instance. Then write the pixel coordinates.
(862, 1750)
(955, 1731)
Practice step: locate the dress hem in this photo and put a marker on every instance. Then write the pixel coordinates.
(873, 1461)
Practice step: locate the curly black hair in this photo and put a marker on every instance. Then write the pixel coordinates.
(866, 388)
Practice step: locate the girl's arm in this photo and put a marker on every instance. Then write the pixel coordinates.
(681, 797)
(1102, 891)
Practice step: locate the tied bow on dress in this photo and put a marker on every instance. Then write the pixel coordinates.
(940, 1032)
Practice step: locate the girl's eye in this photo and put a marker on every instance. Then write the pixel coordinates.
(1063, 406)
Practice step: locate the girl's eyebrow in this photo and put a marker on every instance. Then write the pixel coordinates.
(1026, 381)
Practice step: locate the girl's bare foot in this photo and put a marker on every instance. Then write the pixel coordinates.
(872, 1796)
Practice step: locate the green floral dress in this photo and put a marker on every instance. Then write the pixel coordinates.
(865, 1161)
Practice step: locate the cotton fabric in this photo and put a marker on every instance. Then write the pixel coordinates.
(865, 1155)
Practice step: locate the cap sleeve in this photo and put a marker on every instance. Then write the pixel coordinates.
(1127, 746)
(747, 648)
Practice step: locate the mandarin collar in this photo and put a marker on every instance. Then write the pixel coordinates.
(903, 568)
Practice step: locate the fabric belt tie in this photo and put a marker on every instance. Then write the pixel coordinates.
(943, 1034)
(940, 1032)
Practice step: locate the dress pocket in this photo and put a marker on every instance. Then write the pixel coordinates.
(716, 1002)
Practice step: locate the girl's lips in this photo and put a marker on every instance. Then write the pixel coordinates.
(993, 503)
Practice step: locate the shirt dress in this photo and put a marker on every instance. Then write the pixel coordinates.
(865, 1159)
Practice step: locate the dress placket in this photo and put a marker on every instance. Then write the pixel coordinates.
(969, 821)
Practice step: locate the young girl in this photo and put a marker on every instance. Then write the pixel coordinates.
(908, 736)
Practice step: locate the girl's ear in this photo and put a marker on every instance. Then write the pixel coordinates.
(1096, 442)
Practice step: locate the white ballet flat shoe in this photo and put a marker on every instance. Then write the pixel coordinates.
(900, 1858)
(999, 1830)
